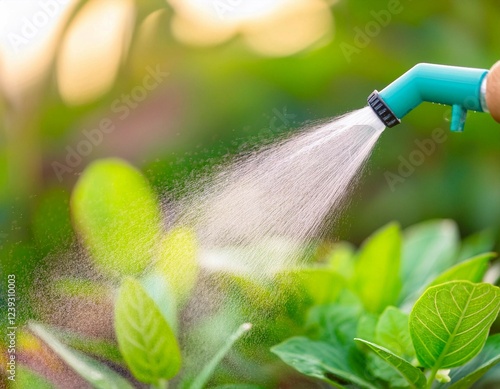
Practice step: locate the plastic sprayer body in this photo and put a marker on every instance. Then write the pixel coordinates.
(462, 88)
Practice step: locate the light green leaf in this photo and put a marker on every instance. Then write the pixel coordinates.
(413, 376)
(320, 285)
(321, 360)
(341, 259)
(377, 279)
(450, 322)
(146, 340)
(429, 249)
(472, 270)
(393, 333)
(177, 260)
(117, 215)
(98, 375)
(384, 371)
(464, 376)
(202, 378)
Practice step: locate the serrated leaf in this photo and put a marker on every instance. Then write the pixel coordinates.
(450, 322)
(177, 260)
(472, 270)
(146, 340)
(377, 279)
(413, 376)
(97, 374)
(429, 248)
(464, 376)
(117, 215)
(321, 360)
(393, 333)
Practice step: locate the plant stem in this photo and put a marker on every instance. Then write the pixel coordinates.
(431, 378)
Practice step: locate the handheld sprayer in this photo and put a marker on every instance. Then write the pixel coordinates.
(463, 88)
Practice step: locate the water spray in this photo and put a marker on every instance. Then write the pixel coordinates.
(465, 89)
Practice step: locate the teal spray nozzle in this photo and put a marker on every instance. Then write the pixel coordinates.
(465, 89)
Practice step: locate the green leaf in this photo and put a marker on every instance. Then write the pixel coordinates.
(145, 338)
(177, 260)
(27, 379)
(239, 386)
(341, 259)
(376, 279)
(450, 322)
(319, 285)
(393, 333)
(472, 270)
(366, 327)
(429, 249)
(464, 376)
(201, 379)
(413, 376)
(321, 360)
(477, 243)
(97, 374)
(334, 323)
(117, 214)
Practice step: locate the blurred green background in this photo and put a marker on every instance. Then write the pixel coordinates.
(228, 76)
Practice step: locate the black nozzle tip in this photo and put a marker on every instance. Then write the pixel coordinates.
(382, 110)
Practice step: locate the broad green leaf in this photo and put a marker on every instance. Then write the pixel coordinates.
(472, 270)
(335, 323)
(393, 333)
(450, 322)
(429, 248)
(377, 278)
(160, 292)
(464, 376)
(146, 340)
(117, 215)
(177, 260)
(321, 360)
(98, 375)
(366, 327)
(413, 375)
(27, 379)
(477, 243)
(319, 285)
(202, 378)
(379, 368)
(341, 259)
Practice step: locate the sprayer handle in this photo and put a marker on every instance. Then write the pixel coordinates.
(493, 91)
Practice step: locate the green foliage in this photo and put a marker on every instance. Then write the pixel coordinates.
(117, 214)
(378, 292)
(26, 379)
(447, 327)
(450, 322)
(146, 340)
(413, 375)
